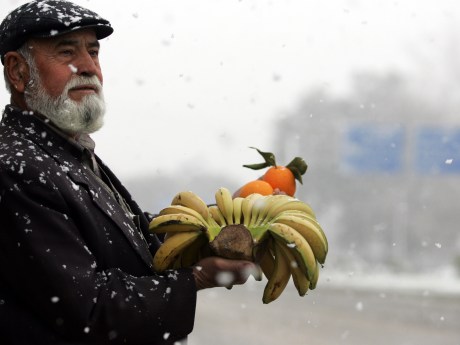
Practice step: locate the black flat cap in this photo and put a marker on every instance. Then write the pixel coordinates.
(47, 18)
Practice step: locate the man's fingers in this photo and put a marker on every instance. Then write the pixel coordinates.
(255, 271)
(214, 271)
(225, 278)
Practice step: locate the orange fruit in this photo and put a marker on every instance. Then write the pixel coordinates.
(282, 178)
(256, 186)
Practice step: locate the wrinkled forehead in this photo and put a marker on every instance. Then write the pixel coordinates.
(82, 37)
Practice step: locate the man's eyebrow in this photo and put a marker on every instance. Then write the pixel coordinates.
(94, 44)
(73, 42)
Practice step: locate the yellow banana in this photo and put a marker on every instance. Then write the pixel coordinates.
(169, 235)
(225, 203)
(265, 258)
(279, 277)
(217, 215)
(277, 201)
(193, 253)
(171, 249)
(176, 223)
(269, 202)
(299, 278)
(210, 226)
(237, 212)
(179, 209)
(193, 201)
(290, 205)
(257, 206)
(310, 229)
(298, 246)
(177, 262)
(246, 207)
(315, 278)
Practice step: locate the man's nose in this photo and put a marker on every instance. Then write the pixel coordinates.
(86, 65)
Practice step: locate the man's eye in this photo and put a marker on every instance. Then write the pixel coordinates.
(94, 53)
(66, 52)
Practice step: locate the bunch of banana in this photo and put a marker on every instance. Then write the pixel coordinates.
(188, 227)
(285, 237)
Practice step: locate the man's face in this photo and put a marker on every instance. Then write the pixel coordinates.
(66, 81)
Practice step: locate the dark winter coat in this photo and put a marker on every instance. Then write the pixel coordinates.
(74, 267)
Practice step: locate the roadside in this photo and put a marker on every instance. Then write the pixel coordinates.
(344, 309)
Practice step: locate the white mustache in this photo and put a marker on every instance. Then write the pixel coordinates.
(78, 81)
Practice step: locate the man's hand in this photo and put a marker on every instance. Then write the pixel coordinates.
(214, 271)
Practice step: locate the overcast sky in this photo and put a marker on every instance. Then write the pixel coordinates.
(194, 83)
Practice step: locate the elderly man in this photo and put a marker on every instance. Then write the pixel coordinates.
(75, 251)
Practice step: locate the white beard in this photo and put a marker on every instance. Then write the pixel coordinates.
(85, 116)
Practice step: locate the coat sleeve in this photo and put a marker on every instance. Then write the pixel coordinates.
(55, 276)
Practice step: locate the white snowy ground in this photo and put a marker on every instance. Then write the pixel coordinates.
(445, 282)
(346, 308)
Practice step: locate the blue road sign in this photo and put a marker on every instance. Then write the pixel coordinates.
(374, 148)
(437, 150)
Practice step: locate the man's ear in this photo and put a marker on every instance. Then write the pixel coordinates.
(16, 71)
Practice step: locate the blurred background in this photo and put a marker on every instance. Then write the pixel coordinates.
(367, 92)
